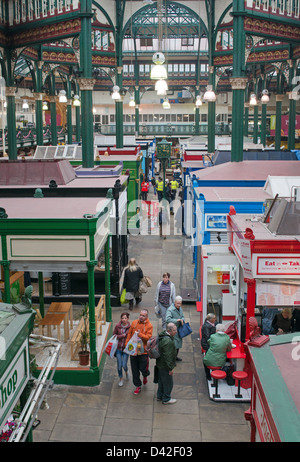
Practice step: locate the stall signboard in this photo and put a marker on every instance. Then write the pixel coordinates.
(216, 221)
(263, 429)
(276, 294)
(13, 382)
(243, 252)
(276, 266)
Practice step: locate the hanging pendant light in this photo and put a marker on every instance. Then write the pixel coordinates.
(116, 93)
(166, 104)
(209, 95)
(132, 102)
(62, 96)
(45, 106)
(161, 85)
(265, 96)
(76, 101)
(161, 92)
(94, 110)
(198, 101)
(253, 100)
(25, 104)
(158, 71)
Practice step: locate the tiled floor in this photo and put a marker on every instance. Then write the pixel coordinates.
(109, 413)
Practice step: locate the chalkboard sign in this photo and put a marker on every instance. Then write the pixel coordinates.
(55, 284)
(64, 283)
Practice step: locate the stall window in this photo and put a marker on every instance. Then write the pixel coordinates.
(179, 117)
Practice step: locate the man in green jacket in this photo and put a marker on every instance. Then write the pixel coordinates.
(166, 363)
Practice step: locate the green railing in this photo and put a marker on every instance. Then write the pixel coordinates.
(164, 129)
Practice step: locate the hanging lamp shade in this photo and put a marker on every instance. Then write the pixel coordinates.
(198, 101)
(76, 101)
(161, 92)
(253, 100)
(132, 102)
(94, 110)
(62, 96)
(265, 96)
(25, 104)
(209, 95)
(158, 71)
(161, 85)
(166, 104)
(45, 106)
(116, 92)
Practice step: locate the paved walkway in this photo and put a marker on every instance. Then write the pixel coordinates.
(109, 413)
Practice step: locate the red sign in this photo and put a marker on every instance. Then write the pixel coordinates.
(285, 125)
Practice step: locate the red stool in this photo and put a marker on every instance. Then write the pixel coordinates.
(239, 375)
(217, 375)
(213, 368)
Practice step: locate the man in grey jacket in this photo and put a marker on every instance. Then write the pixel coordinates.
(164, 296)
(166, 363)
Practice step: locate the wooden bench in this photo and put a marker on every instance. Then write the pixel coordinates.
(100, 319)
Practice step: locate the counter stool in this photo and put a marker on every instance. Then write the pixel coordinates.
(217, 375)
(213, 368)
(239, 375)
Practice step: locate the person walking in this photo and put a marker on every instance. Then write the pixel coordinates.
(159, 188)
(145, 189)
(173, 187)
(132, 276)
(121, 330)
(166, 363)
(140, 363)
(175, 314)
(164, 296)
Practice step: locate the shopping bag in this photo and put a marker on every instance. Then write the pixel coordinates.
(140, 347)
(184, 330)
(157, 311)
(148, 281)
(123, 297)
(132, 346)
(111, 346)
(143, 289)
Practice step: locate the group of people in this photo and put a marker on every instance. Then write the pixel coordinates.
(169, 307)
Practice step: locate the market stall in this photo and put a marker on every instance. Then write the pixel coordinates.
(78, 182)
(36, 235)
(274, 413)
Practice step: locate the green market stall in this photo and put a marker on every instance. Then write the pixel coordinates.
(66, 235)
(274, 413)
(16, 324)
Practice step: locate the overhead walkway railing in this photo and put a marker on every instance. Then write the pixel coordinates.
(168, 129)
(27, 136)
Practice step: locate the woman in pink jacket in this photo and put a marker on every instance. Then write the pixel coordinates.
(121, 330)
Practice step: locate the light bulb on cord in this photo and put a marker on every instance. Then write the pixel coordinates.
(132, 102)
(265, 96)
(209, 95)
(116, 93)
(62, 96)
(25, 104)
(76, 101)
(253, 100)
(198, 101)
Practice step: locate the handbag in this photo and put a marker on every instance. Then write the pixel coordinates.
(184, 330)
(123, 297)
(143, 289)
(111, 346)
(148, 281)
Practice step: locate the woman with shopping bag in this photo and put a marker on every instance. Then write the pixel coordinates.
(120, 331)
(132, 277)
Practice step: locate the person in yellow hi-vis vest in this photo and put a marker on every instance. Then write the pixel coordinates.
(174, 185)
(160, 188)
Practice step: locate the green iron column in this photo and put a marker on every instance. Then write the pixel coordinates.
(11, 123)
(69, 121)
(107, 281)
(263, 134)
(119, 111)
(53, 127)
(279, 99)
(77, 124)
(137, 110)
(211, 118)
(246, 119)
(86, 84)
(292, 107)
(197, 113)
(238, 85)
(92, 323)
(238, 81)
(39, 118)
(86, 87)
(255, 124)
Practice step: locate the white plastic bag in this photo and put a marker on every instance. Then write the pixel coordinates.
(111, 346)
